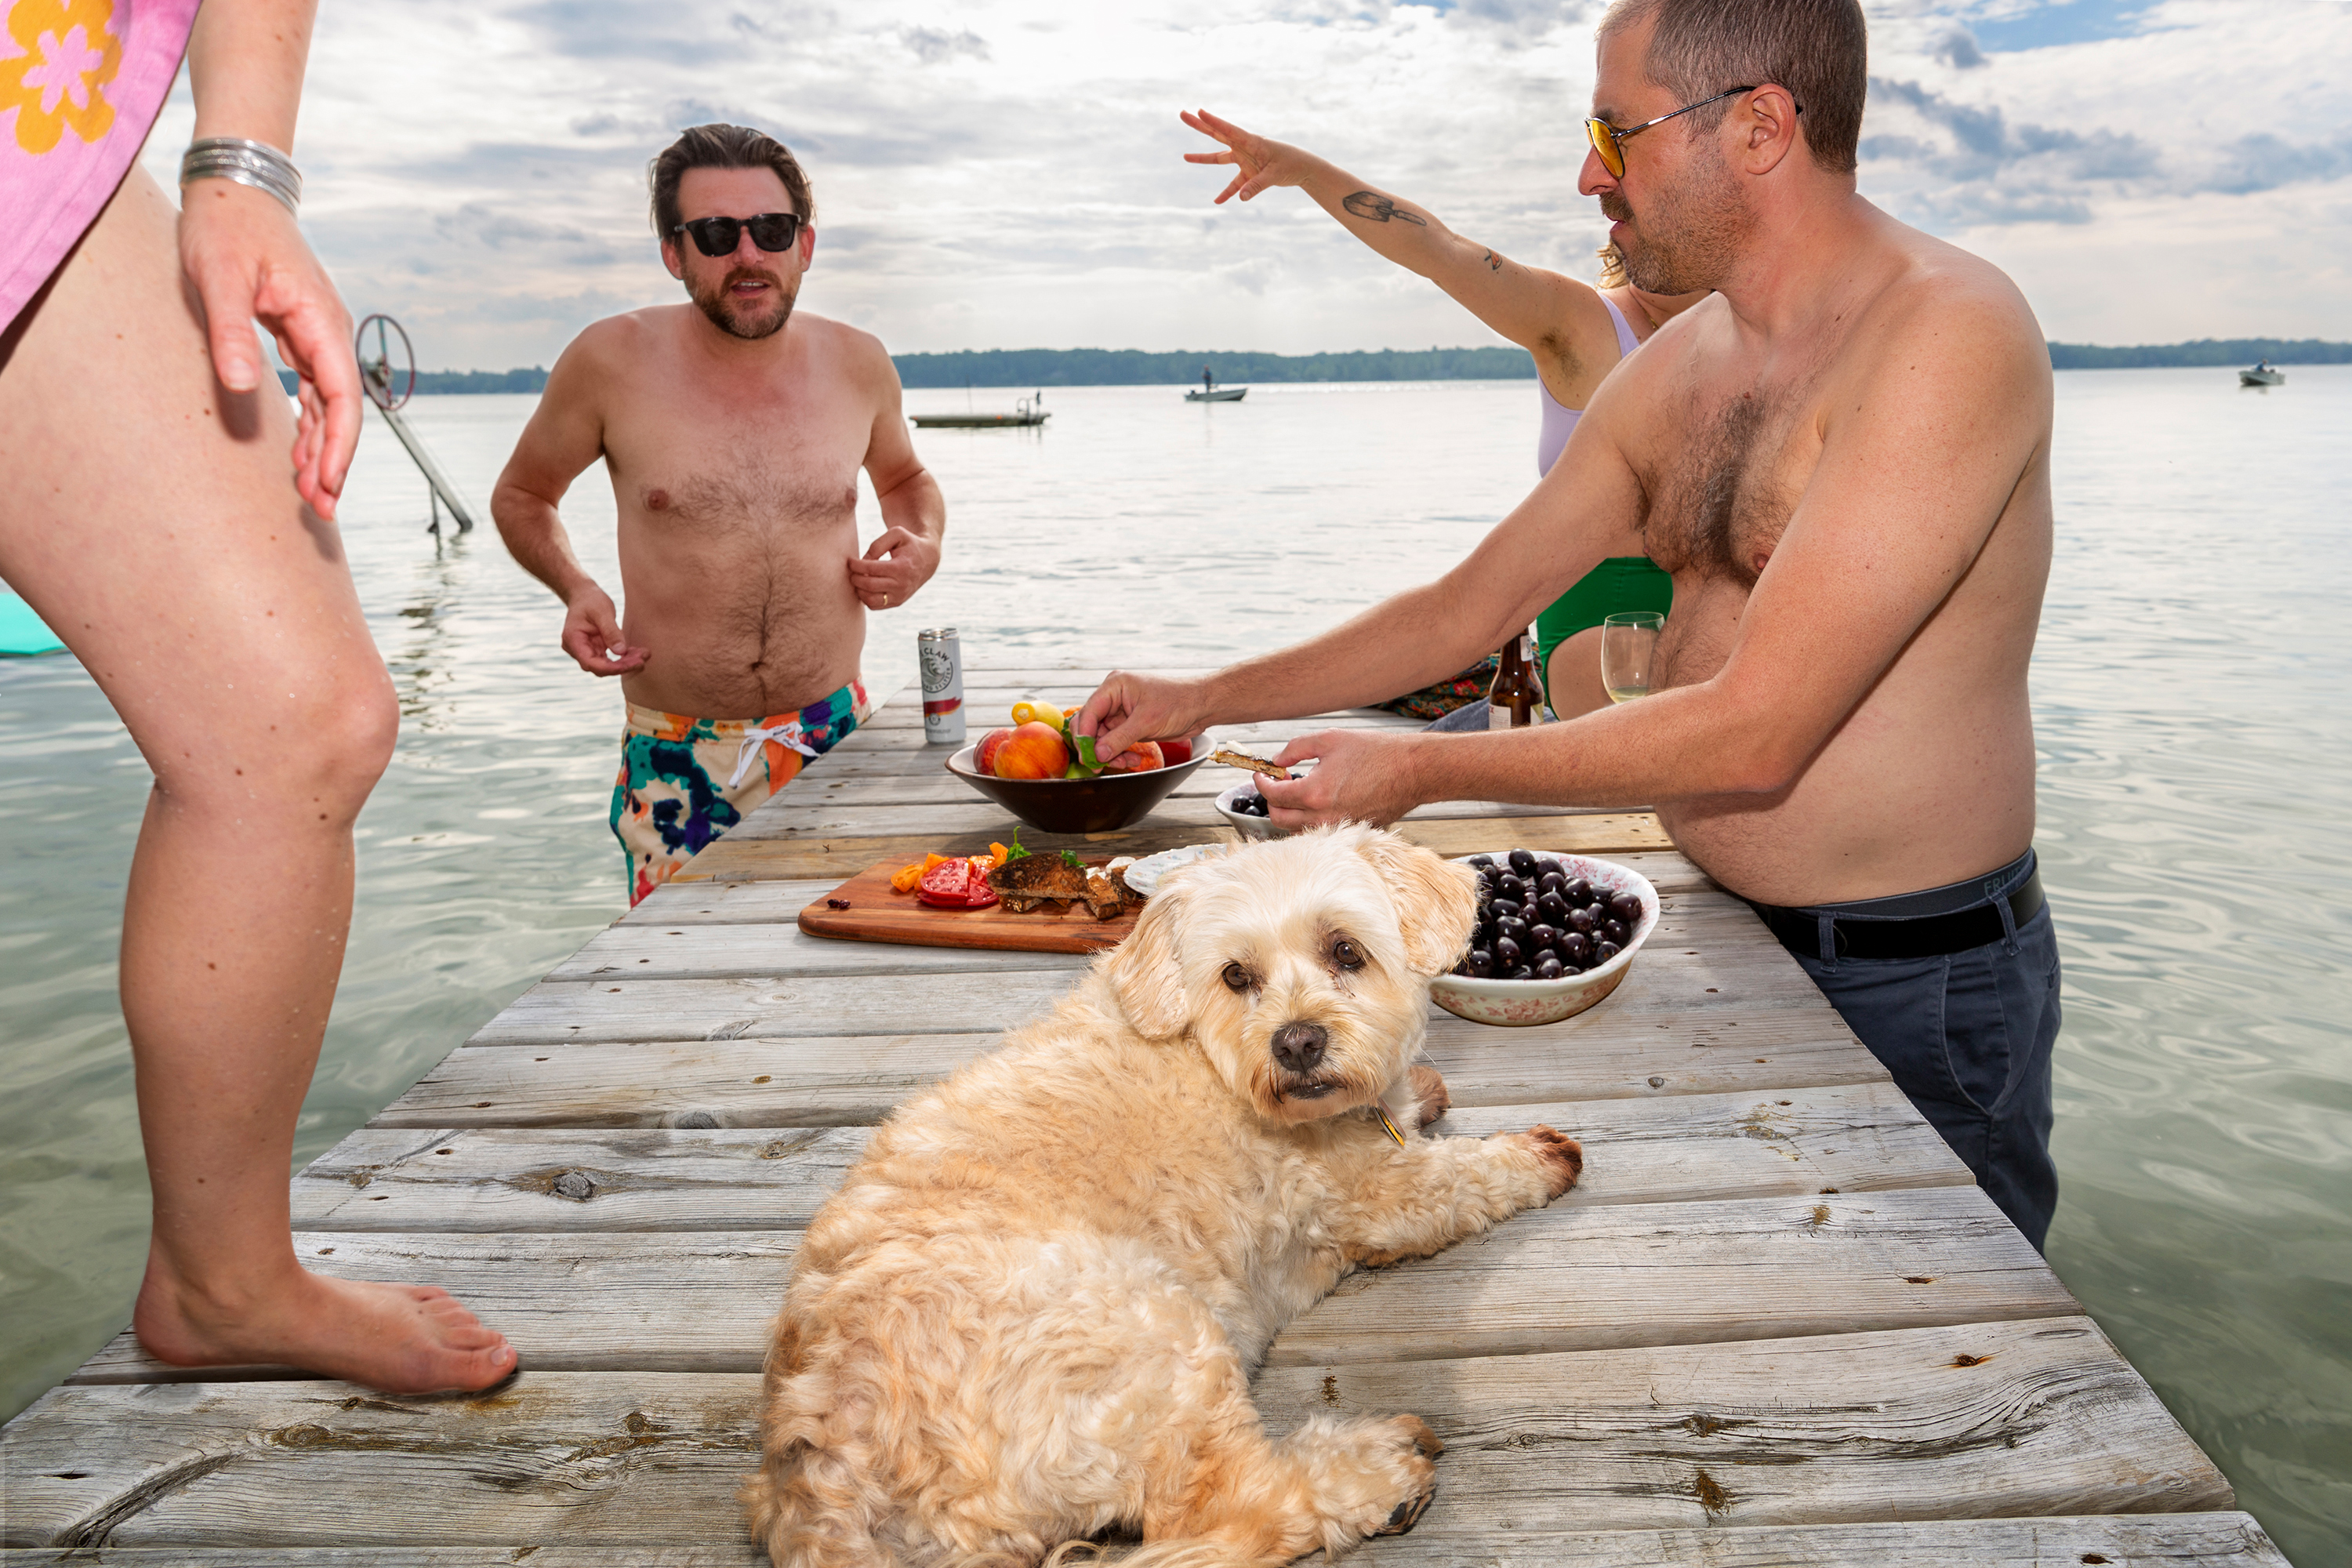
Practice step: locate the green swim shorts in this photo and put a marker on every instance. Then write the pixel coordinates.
(1619, 584)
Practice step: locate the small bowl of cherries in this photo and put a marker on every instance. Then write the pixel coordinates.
(1556, 933)
(1245, 809)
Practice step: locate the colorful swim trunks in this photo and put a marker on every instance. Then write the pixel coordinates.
(684, 782)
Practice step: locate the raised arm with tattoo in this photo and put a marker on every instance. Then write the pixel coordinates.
(1556, 318)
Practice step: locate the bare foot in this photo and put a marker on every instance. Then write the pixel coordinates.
(399, 1339)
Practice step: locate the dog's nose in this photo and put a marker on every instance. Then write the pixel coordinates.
(1299, 1046)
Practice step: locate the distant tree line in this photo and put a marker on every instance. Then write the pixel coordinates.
(1135, 367)
(2203, 351)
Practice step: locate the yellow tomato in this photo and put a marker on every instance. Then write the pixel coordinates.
(1027, 713)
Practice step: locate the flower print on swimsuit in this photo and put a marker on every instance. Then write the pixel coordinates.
(70, 54)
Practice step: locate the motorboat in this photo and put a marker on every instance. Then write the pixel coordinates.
(2264, 373)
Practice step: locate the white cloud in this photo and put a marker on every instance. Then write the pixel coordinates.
(1008, 173)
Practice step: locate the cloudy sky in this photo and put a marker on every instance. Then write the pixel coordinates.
(1001, 174)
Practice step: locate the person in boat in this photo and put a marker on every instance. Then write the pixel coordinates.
(153, 517)
(733, 429)
(1842, 459)
(1576, 332)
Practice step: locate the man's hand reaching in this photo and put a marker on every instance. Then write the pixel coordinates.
(591, 635)
(1260, 163)
(1126, 709)
(1359, 776)
(892, 568)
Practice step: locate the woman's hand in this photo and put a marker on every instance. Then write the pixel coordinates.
(1261, 163)
(248, 261)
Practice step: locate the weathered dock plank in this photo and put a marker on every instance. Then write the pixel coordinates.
(2043, 1417)
(929, 995)
(1570, 1278)
(792, 1081)
(1567, 1279)
(2145, 1541)
(1797, 1143)
(1986, 1420)
(762, 1079)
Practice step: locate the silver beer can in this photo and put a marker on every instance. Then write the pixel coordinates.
(940, 658)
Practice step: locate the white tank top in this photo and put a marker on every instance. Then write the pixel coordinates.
(1558, 421)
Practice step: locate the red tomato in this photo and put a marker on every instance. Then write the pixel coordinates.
(956, 884)
(1143, 757)
(1176, 752)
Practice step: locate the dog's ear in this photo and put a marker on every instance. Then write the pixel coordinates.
(1436, 901)
(1146, 971)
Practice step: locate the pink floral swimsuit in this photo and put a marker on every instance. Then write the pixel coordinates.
(80, 84)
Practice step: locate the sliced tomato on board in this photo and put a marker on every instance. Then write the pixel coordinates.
(956, 884)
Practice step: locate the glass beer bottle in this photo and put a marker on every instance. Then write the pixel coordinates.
(1515, 698)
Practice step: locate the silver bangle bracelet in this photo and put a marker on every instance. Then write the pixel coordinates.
(253, 163)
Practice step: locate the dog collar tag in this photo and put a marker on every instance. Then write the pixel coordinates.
(1382, 1112)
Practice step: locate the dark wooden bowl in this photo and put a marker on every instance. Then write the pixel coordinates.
(1104, 804)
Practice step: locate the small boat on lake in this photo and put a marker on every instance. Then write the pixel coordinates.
(1025, 413)
(1211, 393)
(2263, 374)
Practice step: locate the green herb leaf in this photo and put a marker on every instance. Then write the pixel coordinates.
(1087, 758)
(1016, 852)
(1070, 857)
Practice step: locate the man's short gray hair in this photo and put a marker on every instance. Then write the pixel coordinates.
(1818, 49)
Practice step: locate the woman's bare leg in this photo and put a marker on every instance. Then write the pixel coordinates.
(1572, 676)
(150, 517)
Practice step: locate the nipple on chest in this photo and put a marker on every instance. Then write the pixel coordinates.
(657, 501)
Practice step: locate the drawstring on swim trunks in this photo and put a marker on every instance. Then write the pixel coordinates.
(754, 737)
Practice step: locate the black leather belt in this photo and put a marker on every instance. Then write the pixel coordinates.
(1927, 936)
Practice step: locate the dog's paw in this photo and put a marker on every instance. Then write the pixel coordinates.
(1428, 1092)
(1426, 1446)
(1562, 1158)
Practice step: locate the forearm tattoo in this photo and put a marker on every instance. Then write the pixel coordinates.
(1494, 262)
(1374, 207)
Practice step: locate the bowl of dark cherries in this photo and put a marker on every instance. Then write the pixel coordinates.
(1245, 809)
(1556, 933)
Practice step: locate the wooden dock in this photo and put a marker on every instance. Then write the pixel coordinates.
(1775, 1324)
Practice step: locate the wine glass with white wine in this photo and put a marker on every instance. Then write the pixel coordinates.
(1629, 644)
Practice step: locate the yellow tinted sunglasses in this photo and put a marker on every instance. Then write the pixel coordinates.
(1609, 141)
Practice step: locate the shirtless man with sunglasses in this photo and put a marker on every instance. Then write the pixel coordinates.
(1842, 457)
(733, 446)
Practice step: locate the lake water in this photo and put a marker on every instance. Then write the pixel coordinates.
(2188, 695)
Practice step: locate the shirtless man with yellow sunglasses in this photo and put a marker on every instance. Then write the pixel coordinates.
(1842, 457)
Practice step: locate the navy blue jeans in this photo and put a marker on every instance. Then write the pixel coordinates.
(1968, 1036)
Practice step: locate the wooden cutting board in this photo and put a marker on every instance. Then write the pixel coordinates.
(876, 913)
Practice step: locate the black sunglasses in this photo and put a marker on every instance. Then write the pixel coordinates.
(717, 236)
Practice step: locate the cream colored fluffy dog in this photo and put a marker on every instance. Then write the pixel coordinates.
(1031, 1313)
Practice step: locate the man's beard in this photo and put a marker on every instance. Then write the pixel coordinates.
(1692, 235)
(725, 314)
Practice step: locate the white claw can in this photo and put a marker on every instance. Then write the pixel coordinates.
(940, 658)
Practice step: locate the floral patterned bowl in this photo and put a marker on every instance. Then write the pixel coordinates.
(1524, 1003)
